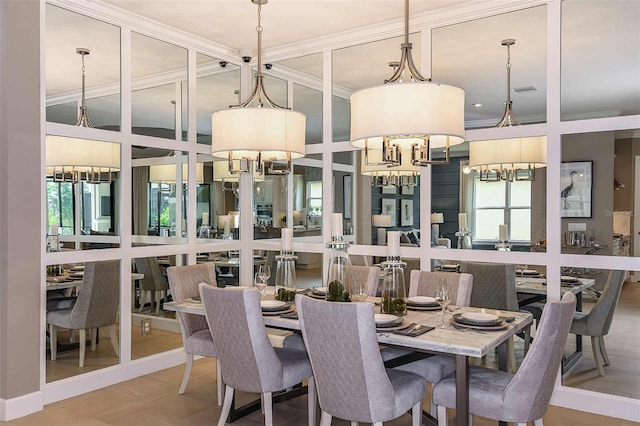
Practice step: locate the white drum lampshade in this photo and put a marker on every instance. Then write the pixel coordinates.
(66, 154)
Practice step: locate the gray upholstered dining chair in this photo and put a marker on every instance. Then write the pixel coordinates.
(196, 338)
(249, 362)
(494, 287)
(154, 285)
(352, 381)
(522, 397)
(596, 323)
(96, 306)
(423, 283)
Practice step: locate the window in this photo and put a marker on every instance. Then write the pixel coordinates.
(60, 206)
(162, 208)
(495, 203)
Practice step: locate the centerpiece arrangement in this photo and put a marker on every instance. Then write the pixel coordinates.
(394, 295)
(286, 269)
(339, 263)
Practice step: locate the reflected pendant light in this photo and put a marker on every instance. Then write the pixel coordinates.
(508, 159)
(166, 173)
(416, 115)
(403, 174)
(75, 159)
(265, 132)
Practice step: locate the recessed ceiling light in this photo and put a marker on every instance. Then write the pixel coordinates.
(477, 105)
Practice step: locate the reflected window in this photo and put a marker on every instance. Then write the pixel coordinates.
(60, 206)
(504, 202)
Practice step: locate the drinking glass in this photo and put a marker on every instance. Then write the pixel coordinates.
(266, 270)
(359, 291)
(443, 298)
(260, 281)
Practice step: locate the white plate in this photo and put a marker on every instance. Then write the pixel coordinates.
(382, 319)
(527, 272)
(449, 266)
(568, 279)
(479, 317)
(421, 300)
(77, 268)
(320, 290)
(272, 304)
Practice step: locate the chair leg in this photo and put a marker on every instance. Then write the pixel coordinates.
(82, 340)
(538, 422)
(226, 407)
(377, 424)
(268, 409)
(143, 299)
(311, 400)
(94, 338)
(187, 372)
(159, 297)
(595, 346)
(325, 419)
(219, 380)
(354, 423)
(53, 341)
(603, 351)
(113, 335)
(416, 414)
(442, 415)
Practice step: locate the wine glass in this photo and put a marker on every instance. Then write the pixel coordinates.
(359, 291)
(443, 298)
(266, 270)
(260, 281)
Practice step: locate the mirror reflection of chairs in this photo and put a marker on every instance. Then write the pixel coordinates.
(154, 285)
(96, 306)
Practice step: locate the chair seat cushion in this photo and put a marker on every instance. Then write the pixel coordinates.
(432, 369)
(60, 318)
(201, 343)
(408, 389)
(486, 391)
(393, 352)
(295, 366)
(579, 324)
(61, 303)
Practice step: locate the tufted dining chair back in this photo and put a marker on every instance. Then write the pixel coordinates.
(424, 283)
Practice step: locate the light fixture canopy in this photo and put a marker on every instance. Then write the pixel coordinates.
(418, 115)
(264, 133)
(513, 159)
(71, 159)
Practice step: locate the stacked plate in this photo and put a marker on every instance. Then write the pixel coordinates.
(387, 321)
(319, 292)
(527, 272)
(478, 320)
(77, 268)
(76, 275)
(566, 279)
(275, 307)
(422, 303)
(449, 268)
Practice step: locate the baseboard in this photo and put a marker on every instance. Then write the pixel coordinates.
(21, 406)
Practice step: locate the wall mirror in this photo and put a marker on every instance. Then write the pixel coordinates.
(611, 336)
(65, 32)
(217, 87)
(345, 182)
(82, 194)
(159, 196)
(308, 204)
(305, 74)
(470, 55)
(598, 200)
(159, 88)
(617, 47)
(77, 296)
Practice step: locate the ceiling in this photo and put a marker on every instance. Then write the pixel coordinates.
(600, 48)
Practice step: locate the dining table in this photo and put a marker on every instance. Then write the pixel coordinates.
(446, 337)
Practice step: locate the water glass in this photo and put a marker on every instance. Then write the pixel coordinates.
(443, 298)
(260, 281)
(359, 291)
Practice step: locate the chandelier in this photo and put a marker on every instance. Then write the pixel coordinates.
(508, 159)
(263, 133)
(71, 159)
(403, 174)
(415, 116)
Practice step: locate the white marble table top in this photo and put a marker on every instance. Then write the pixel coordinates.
(468, 342)
(538, 285)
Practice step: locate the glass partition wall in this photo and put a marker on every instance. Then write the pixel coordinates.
(200, 205)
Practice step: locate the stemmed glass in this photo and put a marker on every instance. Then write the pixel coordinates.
(443, 298)
(260, 280)
(266, 270)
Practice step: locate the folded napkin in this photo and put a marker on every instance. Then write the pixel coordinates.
(413, 332)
